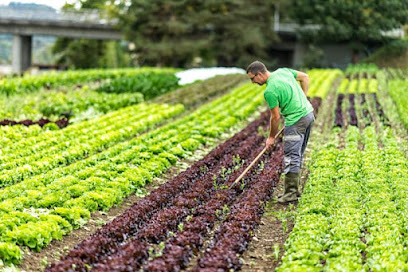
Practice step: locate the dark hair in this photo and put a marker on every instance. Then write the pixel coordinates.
(256, 67)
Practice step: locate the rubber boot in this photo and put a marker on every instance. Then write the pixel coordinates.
(291, 188)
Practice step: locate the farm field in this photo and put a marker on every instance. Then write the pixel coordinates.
(139, 176)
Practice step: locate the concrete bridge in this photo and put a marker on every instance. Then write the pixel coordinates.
(25, 23)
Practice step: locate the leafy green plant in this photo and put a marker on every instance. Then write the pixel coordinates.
(398, 90)
(10, 253)
(112, 171)
(149, 84)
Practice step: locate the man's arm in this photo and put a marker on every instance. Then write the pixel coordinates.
(273, 126)
(304, 81)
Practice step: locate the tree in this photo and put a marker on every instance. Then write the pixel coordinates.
(83, 53)
(181, 33)
(354, 21)
(78, 53)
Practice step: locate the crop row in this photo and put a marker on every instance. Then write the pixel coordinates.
(396, 73)
(365, 109)
(76, 104)
(398, 90)
(10, 135)
(54, 149)
(352, 214)
(29, 83)
(195, 94)
(352, 111)
(364, 69)
(149, 84)
(360, 90)
(102, 180)
(48, 124)
(184, 210)
(57, 102)
(338, 121)
(358, 86)
(232, 237)
(321, 81)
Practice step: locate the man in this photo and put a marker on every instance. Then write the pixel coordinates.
(284, 96)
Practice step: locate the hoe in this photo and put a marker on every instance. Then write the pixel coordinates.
(253, 162)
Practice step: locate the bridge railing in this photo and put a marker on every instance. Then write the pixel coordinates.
(89, 16)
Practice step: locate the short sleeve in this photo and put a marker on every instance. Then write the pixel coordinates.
(294, 73)
(271, 99)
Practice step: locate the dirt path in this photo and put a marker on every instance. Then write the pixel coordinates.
(267, 246)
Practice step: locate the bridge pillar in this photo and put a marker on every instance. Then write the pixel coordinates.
(21, 53)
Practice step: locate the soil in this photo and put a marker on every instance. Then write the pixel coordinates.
(271, 233)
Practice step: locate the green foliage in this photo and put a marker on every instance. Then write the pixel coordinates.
(357, 22)
(83, 53)
(201, 91)
(321, 81)
(356, 69)
(189, 32)
(392, 49)
(149, 84)
(106, 131)
(44, 207)
(32, 83)
(392, 54)
(352, 213)
(350, 20)
(398, 90)
(10, 253)
(80, 104)
(314, 57)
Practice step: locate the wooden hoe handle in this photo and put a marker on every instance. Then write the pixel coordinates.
(253, 162)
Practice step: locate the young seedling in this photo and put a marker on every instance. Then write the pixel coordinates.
(218, 213)
(223, 172)
(260, 167)
(236, 159)
(225, 210)
(44, 261)
(215, 185)
(203, 169)
(180, 226)
(276, 251)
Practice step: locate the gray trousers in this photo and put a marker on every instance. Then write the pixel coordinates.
(295, 138)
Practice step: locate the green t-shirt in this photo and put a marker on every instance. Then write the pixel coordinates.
(283, 90)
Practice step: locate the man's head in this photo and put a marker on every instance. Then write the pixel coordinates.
(257, 73)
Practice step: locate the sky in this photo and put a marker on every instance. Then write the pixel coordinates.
(57, 4)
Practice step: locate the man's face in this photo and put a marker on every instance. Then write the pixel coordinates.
(256, 78)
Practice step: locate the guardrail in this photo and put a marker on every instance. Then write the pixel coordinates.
(89, 16)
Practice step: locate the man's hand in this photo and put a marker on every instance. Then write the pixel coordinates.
(270, 141)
